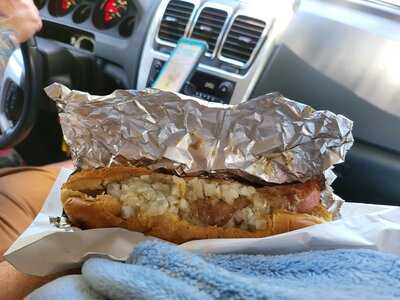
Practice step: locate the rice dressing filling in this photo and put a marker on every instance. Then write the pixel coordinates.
(199, 201)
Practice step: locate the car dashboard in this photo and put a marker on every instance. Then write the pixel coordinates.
(337, 55)
(140, 35)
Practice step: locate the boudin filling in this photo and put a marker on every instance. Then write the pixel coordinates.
(197, 200)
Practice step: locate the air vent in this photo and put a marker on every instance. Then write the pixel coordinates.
(209, 25)
(175, 20)
(242, 39)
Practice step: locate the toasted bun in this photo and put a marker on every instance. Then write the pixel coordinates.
(105, 211)
(98, 178)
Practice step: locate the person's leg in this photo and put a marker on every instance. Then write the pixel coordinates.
(16, 285)
(22, 193)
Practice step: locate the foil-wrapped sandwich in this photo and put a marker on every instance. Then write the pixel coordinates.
(182, 169)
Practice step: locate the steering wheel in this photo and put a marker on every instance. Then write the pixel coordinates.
(20, 91)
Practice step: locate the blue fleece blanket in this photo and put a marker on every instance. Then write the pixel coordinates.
(159, 270)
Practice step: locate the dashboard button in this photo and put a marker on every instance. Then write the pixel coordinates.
(225, 88)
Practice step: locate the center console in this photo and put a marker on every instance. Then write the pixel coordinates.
(201, 85)
(241, 36)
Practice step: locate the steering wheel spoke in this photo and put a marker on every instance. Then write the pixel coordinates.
(5, 123)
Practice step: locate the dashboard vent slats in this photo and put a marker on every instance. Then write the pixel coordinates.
(209, 25)
(242, 38)
(175, 20)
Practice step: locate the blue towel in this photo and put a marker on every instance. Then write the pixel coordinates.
(159, 270)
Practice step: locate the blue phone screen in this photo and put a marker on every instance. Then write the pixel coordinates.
(180, 65)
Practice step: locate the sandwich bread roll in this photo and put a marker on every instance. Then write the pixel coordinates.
(180, 209)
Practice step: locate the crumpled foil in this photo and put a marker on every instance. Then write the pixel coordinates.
(269, 139)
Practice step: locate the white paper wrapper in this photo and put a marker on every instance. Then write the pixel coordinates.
(44, 249)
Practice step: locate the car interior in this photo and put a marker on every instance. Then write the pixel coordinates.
(337, 55)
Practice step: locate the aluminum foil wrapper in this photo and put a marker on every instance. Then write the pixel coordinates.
(269, 139)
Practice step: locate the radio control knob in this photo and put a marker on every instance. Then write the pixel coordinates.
(225, 88)
(189, 89)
